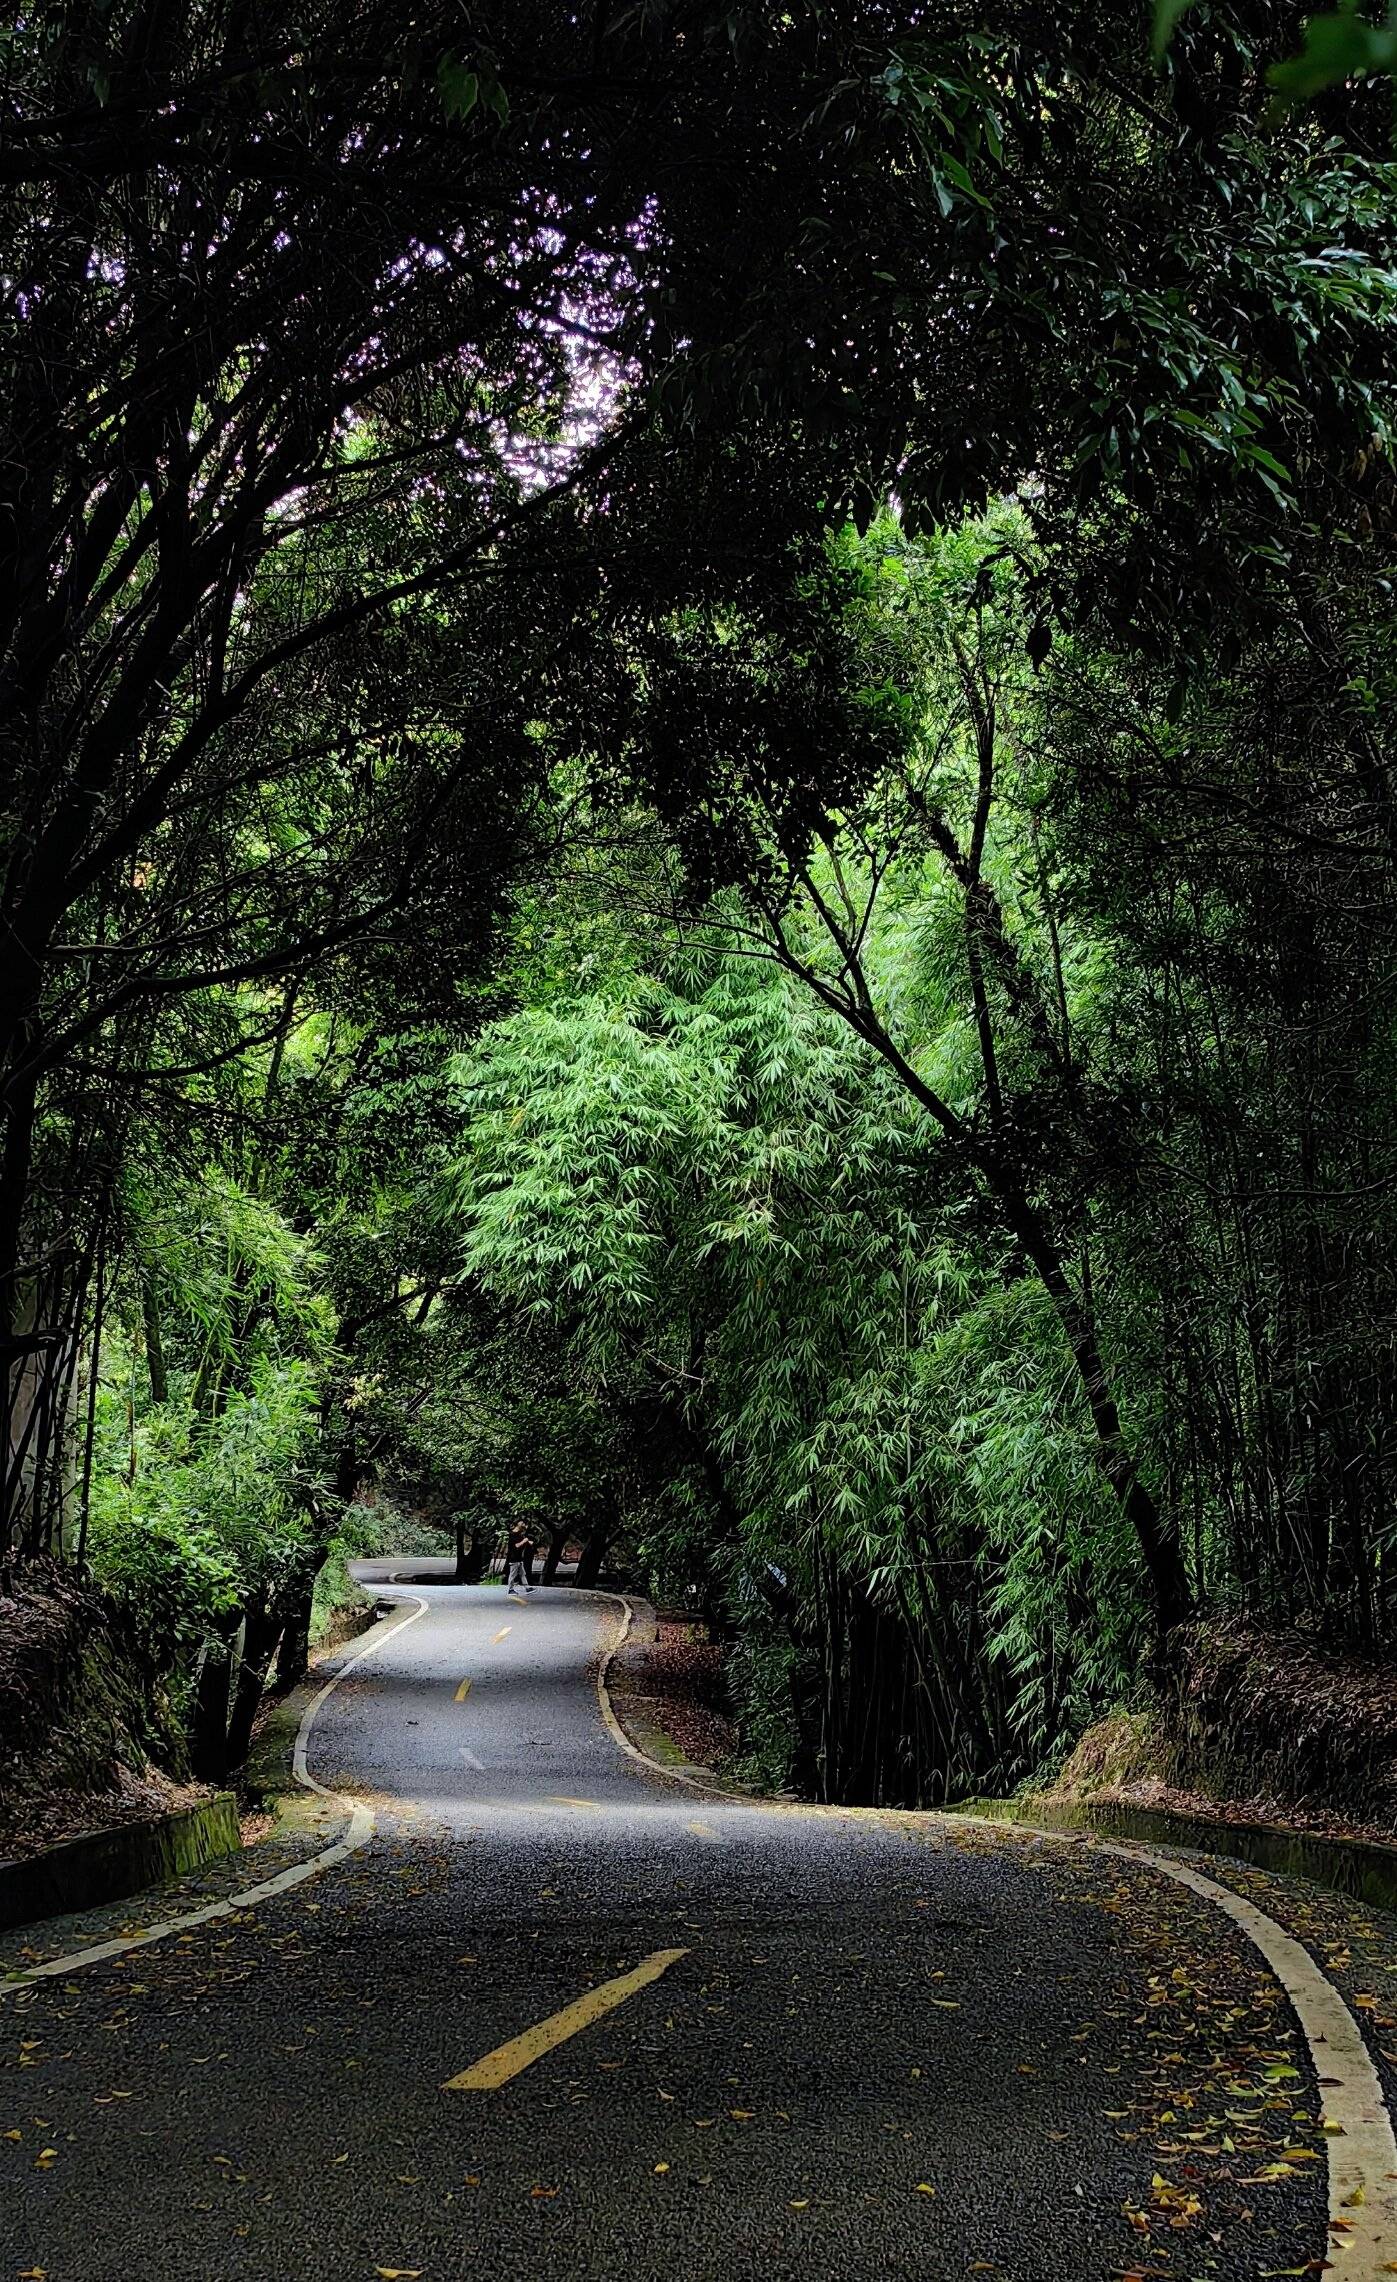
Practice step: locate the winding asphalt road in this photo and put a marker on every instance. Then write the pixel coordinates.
(869, 2045)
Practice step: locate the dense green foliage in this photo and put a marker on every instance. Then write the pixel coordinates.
(697, 835)
(967, 1180)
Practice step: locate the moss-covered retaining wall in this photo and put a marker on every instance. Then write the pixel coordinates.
(106, 1864)
(1363, 1868)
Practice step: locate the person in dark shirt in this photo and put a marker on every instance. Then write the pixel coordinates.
(517, 1557)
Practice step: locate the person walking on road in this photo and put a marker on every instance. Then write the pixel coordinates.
(519, 1548)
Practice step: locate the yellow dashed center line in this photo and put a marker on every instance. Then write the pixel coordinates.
(496, 2068)
(499, 1636)
(590, 1804)
(463, 1691)
(705, 1830)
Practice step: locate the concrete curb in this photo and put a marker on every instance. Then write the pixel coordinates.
(648, 1745)
(267, 1778)
(105, 1865)
(1362, 1868)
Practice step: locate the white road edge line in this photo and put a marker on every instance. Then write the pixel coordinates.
(360, 1830)
(1362, 2155)
(618, 1734)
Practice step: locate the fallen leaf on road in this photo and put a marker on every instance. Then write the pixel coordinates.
(398, 2273)
(659, 2167)
(923, 2188)
(543, 2194)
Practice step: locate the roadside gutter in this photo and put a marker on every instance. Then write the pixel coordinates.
(1363, 1868)
(104, 1865)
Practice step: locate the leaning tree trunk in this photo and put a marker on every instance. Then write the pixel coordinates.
(557, 1543)
(1156, 1533)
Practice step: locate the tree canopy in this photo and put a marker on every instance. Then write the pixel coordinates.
(697, 829)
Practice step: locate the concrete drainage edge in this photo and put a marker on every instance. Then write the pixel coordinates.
(110, 1865)
(1364, 1869)
(106, 1865)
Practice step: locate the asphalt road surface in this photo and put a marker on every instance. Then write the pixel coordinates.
(772, 2042)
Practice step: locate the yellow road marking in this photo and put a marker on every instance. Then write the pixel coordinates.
(463, 1691)
(557, 1800)
(499, 1636)
(704, 1830)
(521, 2052)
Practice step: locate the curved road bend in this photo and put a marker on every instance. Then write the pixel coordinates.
(888, 2047)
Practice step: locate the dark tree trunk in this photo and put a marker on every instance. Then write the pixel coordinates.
(208, 1734)
(462, 1575)
(293, 1657)
(593, 1554)
(155, 1345)
(263, 1630)
(1156, 1533)
(557, 1543)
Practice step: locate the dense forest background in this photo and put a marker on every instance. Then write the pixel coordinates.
(698, 844)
